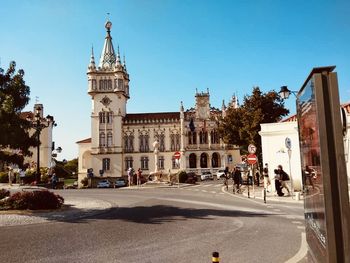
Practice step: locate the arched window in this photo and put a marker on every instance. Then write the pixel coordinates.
(109, 116)
(203, 137)
(144, 146)
(102, 117)
(193, 160)
(204, 160)
(214, 137)
(109, 139)
(102, 139)
(215, 160)
(192, 137)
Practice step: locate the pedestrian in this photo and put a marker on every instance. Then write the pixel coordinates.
(267, 181)
(139, 172)
(278, 183)
(129, 175)
(308, 177)
(237, 178)
(284, 178)
(10, 174)
(54, 180)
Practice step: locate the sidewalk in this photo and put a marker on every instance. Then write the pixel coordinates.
(258, 193)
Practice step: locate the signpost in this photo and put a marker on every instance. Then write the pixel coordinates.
(288, 143)
(251, 148)
(177, 155)
(251, 159)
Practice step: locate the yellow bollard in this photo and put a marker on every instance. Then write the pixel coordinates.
(215, 257)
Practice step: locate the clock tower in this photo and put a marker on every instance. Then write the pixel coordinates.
(108, 86)
(202, 105)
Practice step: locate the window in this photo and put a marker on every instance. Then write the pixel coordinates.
(128, 163)
(175, 163)
(129, 143)
(203, 137)
(192, 137)
(161, 139)
(109, 84)
(102, 139)
(102, 117)
(175, 142)
(106, 164)
(119, 84)
(144, 147)
(144, 163)
(109, 116)
(214, 137)
(109, 139)
(94, 84)
(161, 162)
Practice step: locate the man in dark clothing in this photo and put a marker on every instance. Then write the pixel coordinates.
(278, 183)
(237, 178)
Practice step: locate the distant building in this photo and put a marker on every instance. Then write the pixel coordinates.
(120, 140)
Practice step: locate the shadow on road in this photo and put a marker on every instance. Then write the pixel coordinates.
(157, 214)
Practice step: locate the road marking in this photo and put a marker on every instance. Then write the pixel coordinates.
(205, 191)
(198, 185)
(296, 222)
(301, 227)
(217, 185)
(206, 185)
(269, 206)
(302, 251)
(221, 193)
(196, 190)
(277, 210)
(213, 192)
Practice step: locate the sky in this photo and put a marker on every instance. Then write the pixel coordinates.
(172, 48)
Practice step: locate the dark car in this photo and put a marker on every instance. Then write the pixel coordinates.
(192, 178)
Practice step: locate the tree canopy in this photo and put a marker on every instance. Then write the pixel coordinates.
(241, 125)
(15, 139)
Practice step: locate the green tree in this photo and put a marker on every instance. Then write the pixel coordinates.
(241, 126)
(14, 96)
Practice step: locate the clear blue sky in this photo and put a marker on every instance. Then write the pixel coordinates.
(172, 47)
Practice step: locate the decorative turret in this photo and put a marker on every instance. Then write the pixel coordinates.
(234, 102)
(223, 109)
(92, 65)
(108, 58)
(124, 65)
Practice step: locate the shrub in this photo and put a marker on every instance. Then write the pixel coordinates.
(182, 176)
(4, 193)
(34, 200)
(4, 178)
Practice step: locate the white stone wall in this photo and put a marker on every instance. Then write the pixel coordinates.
(275, 152)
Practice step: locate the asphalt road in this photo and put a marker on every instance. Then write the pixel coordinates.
(163, 225)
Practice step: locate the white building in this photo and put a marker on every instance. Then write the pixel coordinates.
(275, 152)
(120, 140)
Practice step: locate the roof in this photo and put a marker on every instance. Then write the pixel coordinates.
(131, 117)
(26, 115)
(88, 140)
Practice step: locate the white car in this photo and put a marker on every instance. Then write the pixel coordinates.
(206, 176)
(220, 174)
(104, 184)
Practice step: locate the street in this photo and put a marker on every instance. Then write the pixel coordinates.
(153, 225)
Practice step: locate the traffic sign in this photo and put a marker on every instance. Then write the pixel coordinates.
(251, 159)
(251, 148)
(177, 155)
(288, 143)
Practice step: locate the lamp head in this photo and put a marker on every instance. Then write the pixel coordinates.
(284, 92)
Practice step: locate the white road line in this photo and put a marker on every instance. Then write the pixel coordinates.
(205, 191)
(301, 227)
(198, 185)
(302, 251)
(217, 185)
(207, 185)
(269, 206)
(296, 222)
(213, 192)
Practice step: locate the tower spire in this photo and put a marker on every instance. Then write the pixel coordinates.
(118, 57)
(108, 58)
(92, 65)
(124, 63)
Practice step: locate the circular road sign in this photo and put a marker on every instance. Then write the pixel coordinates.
(251, 159)
(288, 143)
(251, 148)
(177, 155)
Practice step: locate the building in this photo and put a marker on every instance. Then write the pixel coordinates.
(275, 152)
(120, 140)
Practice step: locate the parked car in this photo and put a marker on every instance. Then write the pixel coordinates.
(192, 178)
(120, 182)
(220, 174)
(104, 184)
(206, 176)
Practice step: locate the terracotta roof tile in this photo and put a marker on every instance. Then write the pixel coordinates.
(88, 140)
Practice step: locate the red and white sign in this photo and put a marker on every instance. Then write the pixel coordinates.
(177, 155)
(251, 159)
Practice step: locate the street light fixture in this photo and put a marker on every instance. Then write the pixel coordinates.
(39, 124)
(285, 92)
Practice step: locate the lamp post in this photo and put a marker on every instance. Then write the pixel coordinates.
(285, 92)
(39, 124)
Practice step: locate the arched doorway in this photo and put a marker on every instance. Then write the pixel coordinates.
(193, 160)
(204, 160)
(215, 160)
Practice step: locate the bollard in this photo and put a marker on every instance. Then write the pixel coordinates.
(215, 257)
(297, 196)
(264, 195)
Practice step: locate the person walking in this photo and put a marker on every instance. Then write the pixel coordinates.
(284, 178)
(139, 172)
(129, 175)
(278, 183)
(267, 181)
(237, 178)
(54, 180)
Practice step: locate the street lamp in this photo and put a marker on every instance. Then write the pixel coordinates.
(39, 124)
(285, 92)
